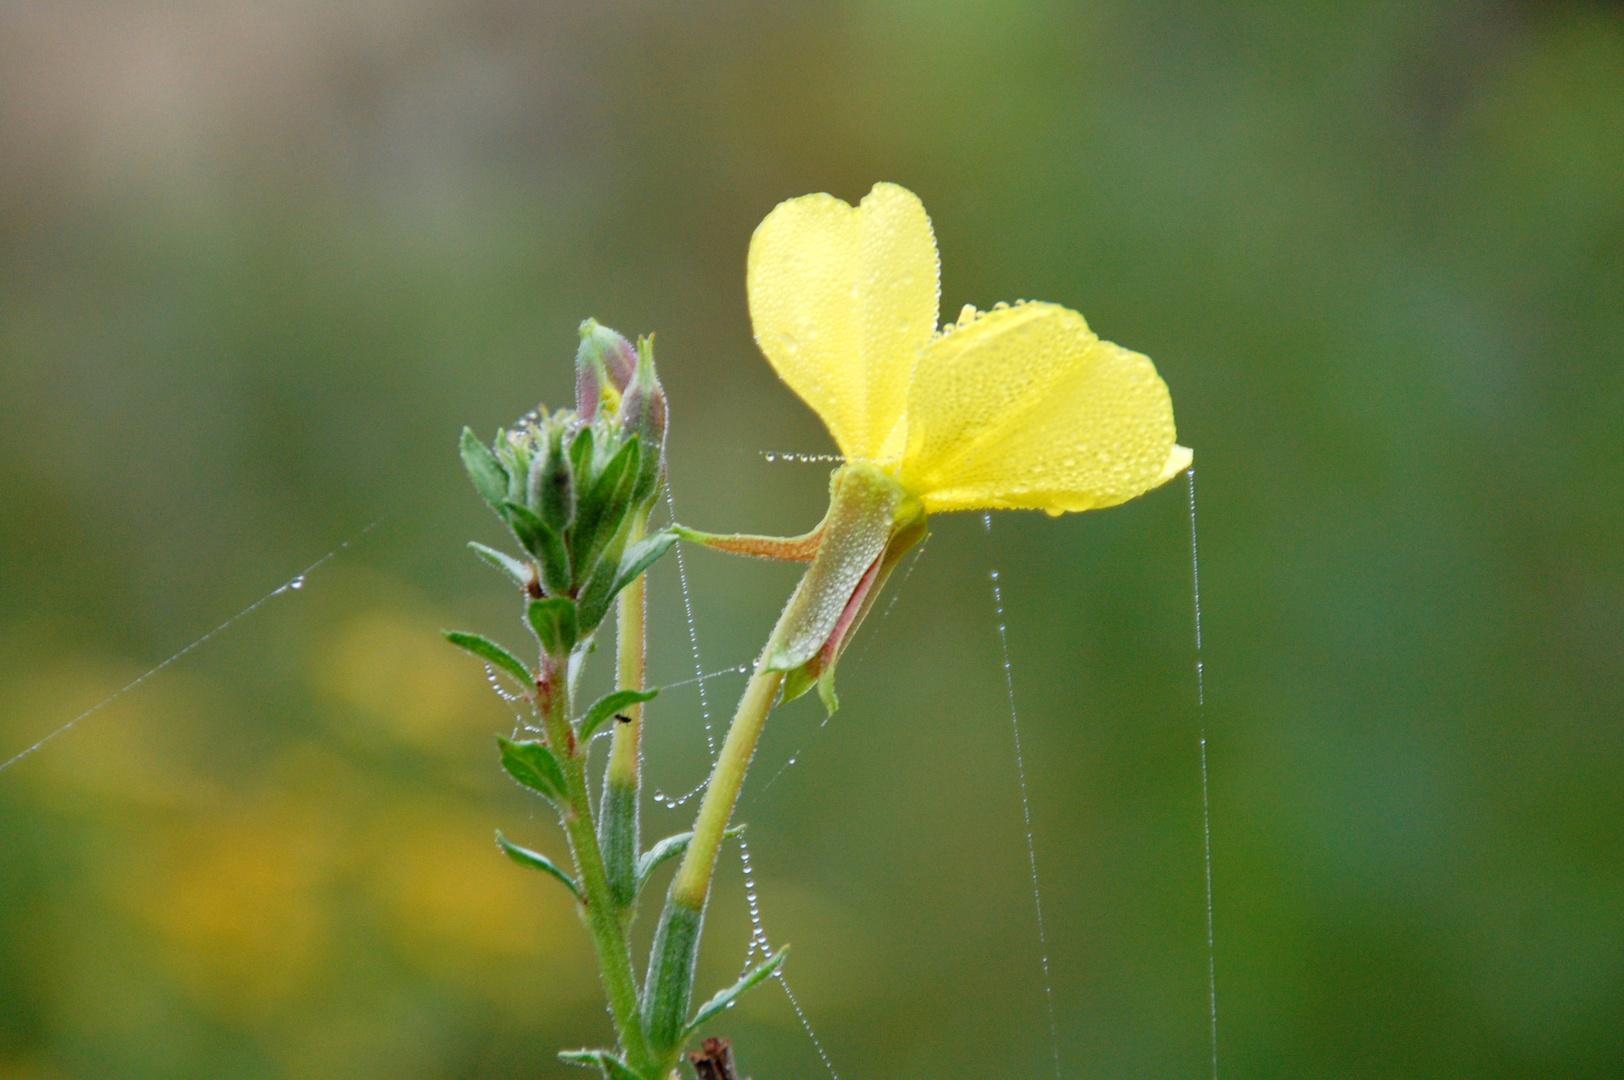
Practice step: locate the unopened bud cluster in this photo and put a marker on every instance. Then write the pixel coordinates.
(575, 487)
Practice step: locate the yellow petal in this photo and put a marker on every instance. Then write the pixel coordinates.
(842, 299)
(1025, 407)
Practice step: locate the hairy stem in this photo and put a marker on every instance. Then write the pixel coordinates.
(619, 827)
(625, 760)
(669, 985)
(598, 908)
(692, 883)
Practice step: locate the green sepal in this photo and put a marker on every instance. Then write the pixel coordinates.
(784, 548)
(724, 998)
(862, 510)
(613, 1068)
(667, 849)
(555, 624)
(542, 542)
(522, 573)
(489, 477)
(607, 706)
(670, 979)
(907, 527)
(536, 861)
(643, 414)
(799, 680)
(492, 653)
(600, 511)
(533, 766)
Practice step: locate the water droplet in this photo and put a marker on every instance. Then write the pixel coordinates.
(297, 583)
(772, 457)
(659, 796)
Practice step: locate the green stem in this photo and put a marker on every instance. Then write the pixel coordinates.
(598, 908)
(625, 758)
(692, 883)
(669, 985)
(618, 816)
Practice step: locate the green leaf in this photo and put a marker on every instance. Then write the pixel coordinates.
(642, 555)
(726, 997)
(587, 1059)
(611, 578)
(669, 848)
(555, 623)
(534, 766)
(601, 510)
(613, 1068)
(608, 706)
(581, 459)
(490, 479)
(492, 653)
(521, 572)
(536, 861)
(553, 482)
(598, 592)
(543, 543)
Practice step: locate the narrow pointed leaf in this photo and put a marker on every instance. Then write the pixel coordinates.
(542, 542)
(610, 704)
(491, 653)
(667, 849)
(536, 861)
(613, 1068)
(616, 571)
(554, 621)
(581, 459)
(726, 997)
(642, 555)
(489, 477)
(534, 766)
(599, 591)
(521, 572)
(587, 1059)
(601, 510)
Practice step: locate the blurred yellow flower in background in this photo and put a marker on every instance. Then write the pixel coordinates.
(1020, 407)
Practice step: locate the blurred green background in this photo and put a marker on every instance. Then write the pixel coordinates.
(260, 262)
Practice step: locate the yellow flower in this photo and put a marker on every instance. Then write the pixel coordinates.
(1019, 407)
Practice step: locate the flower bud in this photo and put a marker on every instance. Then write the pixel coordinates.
(642, 413)
(552, 487)
(604, 364)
